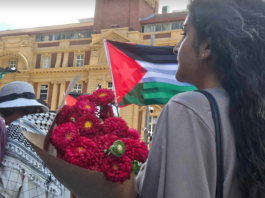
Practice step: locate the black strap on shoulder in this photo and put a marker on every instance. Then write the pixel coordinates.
(219, 147)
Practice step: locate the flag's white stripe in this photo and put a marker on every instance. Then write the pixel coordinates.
(164, 80)
(161, 73)
(147, 65)
(154, 74)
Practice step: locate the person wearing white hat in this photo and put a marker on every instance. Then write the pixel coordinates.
(22, 173)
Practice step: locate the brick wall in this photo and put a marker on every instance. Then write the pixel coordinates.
(129, 12)
(82, 42)
(66, 85)
(38, 61)
(84, 87)
(61, 64)
(87, 57)
(71, 59)
(41, 45)
(140, 117)
(53, 61)
(35, 86)
(49, 102)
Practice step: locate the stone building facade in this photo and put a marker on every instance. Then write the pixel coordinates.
(49, 57)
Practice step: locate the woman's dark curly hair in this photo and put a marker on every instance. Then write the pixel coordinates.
(236, 31)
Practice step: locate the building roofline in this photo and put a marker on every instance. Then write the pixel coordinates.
(48, 29)
(163, 20)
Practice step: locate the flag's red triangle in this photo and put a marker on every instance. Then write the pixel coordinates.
(70, 100)
(126, 72)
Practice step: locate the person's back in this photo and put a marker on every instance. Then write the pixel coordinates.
(192, 129)
(222, 48)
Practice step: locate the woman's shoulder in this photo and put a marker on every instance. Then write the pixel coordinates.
(192, 100)
(197, 101)
(199, 104)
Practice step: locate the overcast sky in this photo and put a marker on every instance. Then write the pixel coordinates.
(17, 14)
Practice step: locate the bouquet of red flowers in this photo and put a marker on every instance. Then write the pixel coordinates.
(89, 136)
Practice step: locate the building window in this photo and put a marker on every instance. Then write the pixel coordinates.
(152, 123)
(12, 64)
(177, 25)
(46, 62)
(77, 88)
(40, 38)
(68, 35)
(110, 86)
(79, 60)
(44, 92)
(163, 26)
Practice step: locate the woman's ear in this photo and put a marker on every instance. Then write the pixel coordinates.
(205, 51)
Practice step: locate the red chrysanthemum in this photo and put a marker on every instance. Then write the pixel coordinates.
(87, 97)
(115, 126)
(104, 142)
(133, 134)
(63, 115)
(74, 116)
(88, 125)
(106, 112)
(81, 152)
(135, 150)
(103, 96)
(117, 169)
(61, 154)
(85, 106)
(63, 135)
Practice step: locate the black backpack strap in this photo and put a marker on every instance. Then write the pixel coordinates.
(219, 147)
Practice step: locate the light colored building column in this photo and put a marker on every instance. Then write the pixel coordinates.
(58, 60)
(65, 59)
(62, 90)
(54, 95)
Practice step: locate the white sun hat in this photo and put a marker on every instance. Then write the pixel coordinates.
(19, 94)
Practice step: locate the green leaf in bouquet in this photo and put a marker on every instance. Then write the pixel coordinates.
(73, 119)
(135, 167)
(117, 149)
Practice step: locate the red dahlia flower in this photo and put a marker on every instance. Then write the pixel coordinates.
(63, 115)
(63, 135)
(81, 152)
(135, 150)
(86, 98)
(117, 169)
(60, 154)
(133, 134)
(103, 96)
(106, 112)
(88, 125)
(106, 141)
(115, 126)
(84, 107)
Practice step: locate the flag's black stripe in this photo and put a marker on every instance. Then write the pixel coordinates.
(152, 54)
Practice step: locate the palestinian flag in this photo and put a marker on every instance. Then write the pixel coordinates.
(143, 75)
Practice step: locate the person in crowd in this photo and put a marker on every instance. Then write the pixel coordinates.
(3, 139)
(23, 173)
(222, 52)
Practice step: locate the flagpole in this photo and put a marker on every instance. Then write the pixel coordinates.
(146, 128)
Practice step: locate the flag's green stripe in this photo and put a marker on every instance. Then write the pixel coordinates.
(168, 86)
(135, 96)
(158, 95)
(157, 101)
(153, 93)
